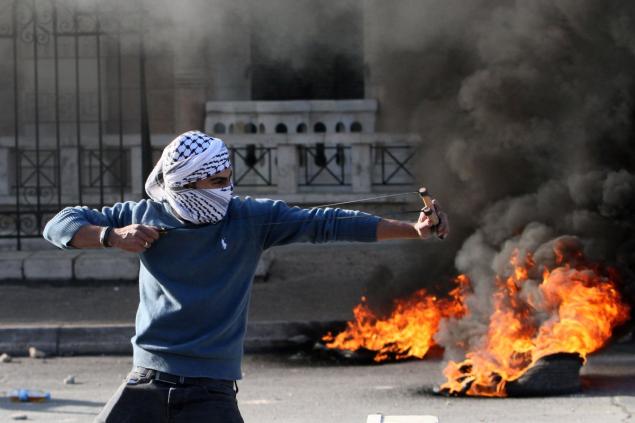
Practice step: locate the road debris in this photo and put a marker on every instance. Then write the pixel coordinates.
(69, 380)
(5, 358)
(29, 395)
(19, 416)
(35, 353)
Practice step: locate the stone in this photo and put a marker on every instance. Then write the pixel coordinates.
(107, 264)
(35, 353)
(5, 358)
(50, 265)
(19, 416)
(69, 380)
(11, 264)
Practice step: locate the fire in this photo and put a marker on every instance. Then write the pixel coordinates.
(407, 332)
(571, 306)
(573, 310)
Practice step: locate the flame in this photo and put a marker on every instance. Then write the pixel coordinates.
(571, 307)
(582, 305)
(407, 332)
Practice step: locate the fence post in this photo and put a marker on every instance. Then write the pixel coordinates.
(69, 170)
(137, 183)
(362, 167)
(287, 167)
(5, 170)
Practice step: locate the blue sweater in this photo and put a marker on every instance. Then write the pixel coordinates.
(195, 283)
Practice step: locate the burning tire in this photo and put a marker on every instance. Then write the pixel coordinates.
(556, 374)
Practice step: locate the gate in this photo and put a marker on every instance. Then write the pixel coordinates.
(72, 110)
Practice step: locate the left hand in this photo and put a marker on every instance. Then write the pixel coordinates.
(425, 229)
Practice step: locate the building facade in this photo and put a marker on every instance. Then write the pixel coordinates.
(92, 90)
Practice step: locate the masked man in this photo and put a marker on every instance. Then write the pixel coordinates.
(199, 247)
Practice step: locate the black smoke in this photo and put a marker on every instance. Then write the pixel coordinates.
(526, 111)
(537, 133)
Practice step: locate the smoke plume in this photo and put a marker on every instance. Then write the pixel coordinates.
(536, 129)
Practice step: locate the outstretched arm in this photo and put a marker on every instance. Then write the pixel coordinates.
(292, 224)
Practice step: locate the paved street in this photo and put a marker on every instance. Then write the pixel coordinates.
(290, 388)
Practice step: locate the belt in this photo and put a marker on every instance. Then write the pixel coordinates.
(181, 380)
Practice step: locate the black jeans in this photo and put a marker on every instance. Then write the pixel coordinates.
(141, 399)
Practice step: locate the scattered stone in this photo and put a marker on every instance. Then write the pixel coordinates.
(35, 353)
(5, 358)
(116, 289)
(19, 416)
(70, 380)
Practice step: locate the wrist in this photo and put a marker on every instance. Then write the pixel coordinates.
(104, 236)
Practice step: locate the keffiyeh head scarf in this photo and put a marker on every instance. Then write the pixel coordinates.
(190, 157)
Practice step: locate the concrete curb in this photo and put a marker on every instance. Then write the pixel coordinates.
(114, 339)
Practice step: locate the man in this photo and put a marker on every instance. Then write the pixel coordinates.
(199, 247)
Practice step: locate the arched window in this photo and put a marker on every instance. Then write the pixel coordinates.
(356, 127)
(261, 128)
(340, 127)
(301, 128)
(250, 128)
(319, 127)
(219, 128)
(281, 128)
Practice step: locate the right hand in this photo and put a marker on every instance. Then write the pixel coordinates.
(133, 238)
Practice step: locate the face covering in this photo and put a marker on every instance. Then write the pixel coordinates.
(190, 157)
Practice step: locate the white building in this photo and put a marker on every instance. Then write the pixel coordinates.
(301, 91)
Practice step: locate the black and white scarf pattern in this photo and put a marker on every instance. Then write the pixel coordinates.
(190, 157)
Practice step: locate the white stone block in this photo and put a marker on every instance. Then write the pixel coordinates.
(287, 169)
(107, 265)
(362, 167)
(50, 265)
(11, 264)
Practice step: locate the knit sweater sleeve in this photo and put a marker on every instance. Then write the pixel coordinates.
(285, 225)
(60, 230)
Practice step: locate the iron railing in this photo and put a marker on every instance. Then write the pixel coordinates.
(325, 165)
(67, 77)
(392, 165)
(253, 165)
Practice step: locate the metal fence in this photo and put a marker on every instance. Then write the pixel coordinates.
(72, 87)
(253, 165)
(325, 165)
(393, 165)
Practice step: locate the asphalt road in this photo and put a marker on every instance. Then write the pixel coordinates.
(287, 388)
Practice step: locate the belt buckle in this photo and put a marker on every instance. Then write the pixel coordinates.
(181, 380)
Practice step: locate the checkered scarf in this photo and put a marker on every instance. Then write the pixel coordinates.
(190, 157)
